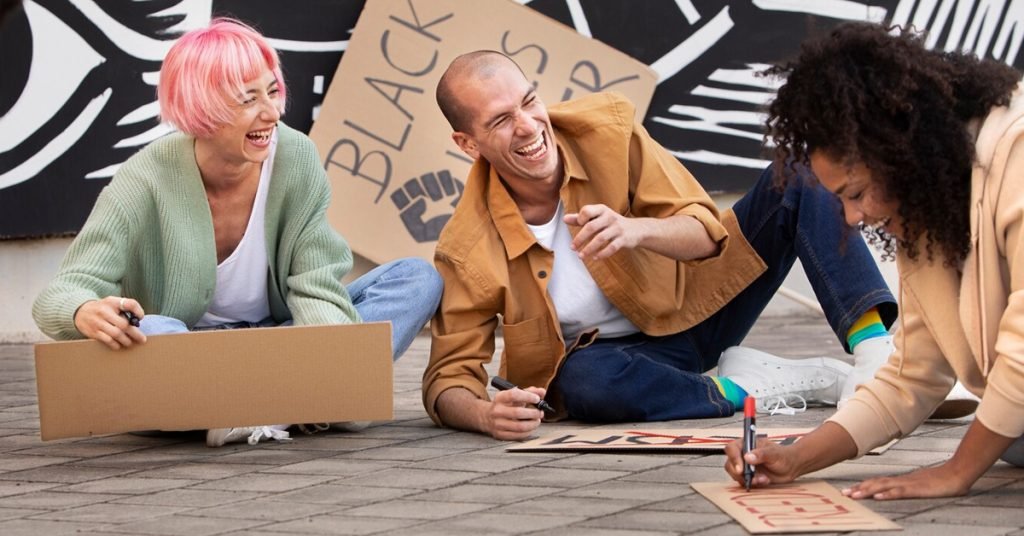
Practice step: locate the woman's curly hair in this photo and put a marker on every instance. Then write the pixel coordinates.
(863, 94)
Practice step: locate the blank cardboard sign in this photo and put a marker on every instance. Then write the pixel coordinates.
(216, 379)
(812, 506)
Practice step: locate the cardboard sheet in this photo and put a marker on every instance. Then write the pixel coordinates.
(708, 440)
(395, 171)
(216, 379)
(813, 506)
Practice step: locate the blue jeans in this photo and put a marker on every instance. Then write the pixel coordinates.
(645, 378)
(405, 292)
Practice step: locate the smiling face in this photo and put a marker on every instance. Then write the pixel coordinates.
(507, 125)
(247, 137)
(864, 200)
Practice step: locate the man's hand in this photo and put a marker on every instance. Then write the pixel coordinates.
(102, 320)
(512, 416)
(603, 232)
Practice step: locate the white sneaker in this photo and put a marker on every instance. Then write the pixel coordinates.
(217, 437)
(350, 426)
(775, 381)
(868, 357)
(959, 403)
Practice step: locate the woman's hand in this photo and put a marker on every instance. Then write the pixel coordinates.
(939, 481)
(773, 464)
(776, 464)
(102, 320)
(978, 450)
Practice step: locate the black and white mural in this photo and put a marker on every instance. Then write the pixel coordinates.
(78, 82)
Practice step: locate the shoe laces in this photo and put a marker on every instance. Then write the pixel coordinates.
(266, 432)
(778, 404)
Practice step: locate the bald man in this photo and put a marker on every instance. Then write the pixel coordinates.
(616, 280)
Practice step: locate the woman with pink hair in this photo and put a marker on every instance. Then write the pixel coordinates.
(223, 224)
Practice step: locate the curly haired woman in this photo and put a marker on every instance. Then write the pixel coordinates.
(926, 150)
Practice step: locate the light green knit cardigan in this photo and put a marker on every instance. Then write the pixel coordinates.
(150, 237)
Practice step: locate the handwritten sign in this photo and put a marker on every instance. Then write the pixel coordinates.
(813, 506)
(657, 440)
(395, 172)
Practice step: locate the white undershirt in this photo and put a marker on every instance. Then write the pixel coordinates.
(578, 300)
(241, 292)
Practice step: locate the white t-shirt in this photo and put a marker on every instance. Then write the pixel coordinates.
(578, 300)
(241, 292)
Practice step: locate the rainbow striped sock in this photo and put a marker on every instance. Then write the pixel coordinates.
(868, 326)
(732, 392)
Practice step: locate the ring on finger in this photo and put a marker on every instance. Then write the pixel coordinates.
(121, 303)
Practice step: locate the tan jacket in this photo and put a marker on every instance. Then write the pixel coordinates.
(968, 326)
(494, 269)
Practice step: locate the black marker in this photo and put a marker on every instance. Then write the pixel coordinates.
(502, 384)
(749, 436)
(132, 319)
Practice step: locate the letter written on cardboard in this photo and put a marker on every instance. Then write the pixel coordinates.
(811, 506)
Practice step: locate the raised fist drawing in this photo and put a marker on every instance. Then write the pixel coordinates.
(430, 190)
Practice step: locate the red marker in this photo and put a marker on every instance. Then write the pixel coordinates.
(749, 436)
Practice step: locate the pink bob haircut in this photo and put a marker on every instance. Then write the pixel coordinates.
(204, 73)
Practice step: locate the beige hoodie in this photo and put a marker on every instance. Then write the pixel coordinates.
(968, 326)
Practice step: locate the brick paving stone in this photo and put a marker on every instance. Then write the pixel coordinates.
(409, 454)
(411, 478)
(264, 482)
(18, 488)
(680, 474)
(560, 505)
(37, 527)
(937, 529)
(53, 500)
(341, 525)
(17, 513)
(184, 525)
(490, 523)
(332, 466)
(405, 509)
(110, 513)
(62, 474)
(485, 493)
(623, 489)
(202, 471)
(128, 485)
(554, 477)
(480, 464)
(348, 495)
(971, 515)
(573, 530)
(15, 462)
(659, 521)
(195, 498)
(79, 450)
(265, 509)
(265, 455)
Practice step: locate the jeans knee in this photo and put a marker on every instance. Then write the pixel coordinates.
(588, 390)
(424, 279)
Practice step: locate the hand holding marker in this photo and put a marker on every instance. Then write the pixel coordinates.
(749, 437)
(502, 384)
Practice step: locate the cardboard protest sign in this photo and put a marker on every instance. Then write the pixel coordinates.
(216, 379)
(791, 508)
(395, 172)
(695, 440)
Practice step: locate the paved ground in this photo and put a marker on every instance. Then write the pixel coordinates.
(407, 476)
